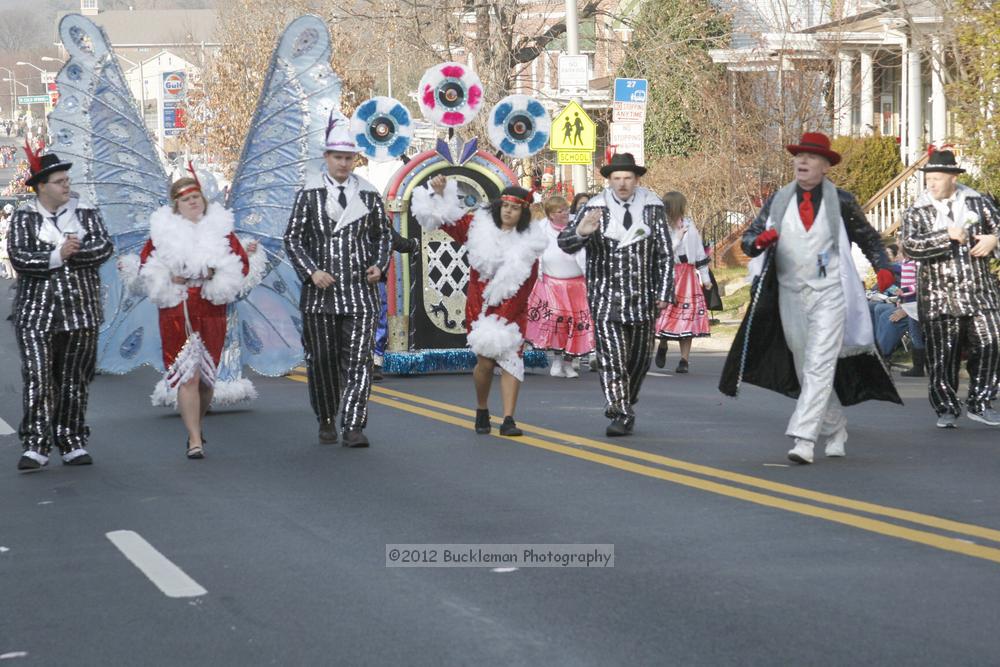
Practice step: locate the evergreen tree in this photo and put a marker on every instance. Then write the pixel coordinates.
(669, 47)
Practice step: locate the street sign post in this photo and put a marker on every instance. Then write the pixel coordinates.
(574, 157)
(628, 112)
(573, 130)
(631, 90)
(629, 138)
(574, 74)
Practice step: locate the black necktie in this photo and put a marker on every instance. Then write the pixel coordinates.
(342, 198)
(627, 220)
(951, 213)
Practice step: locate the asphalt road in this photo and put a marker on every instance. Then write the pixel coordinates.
(724, 555)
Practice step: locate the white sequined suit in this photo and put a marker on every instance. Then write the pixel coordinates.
(56, 315)
(625, 279)
(958, 298)
(339, 321)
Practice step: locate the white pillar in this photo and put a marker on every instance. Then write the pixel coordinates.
(939, 118)
(867, 93)
(904, 137)
(915, 103)
(845, 78)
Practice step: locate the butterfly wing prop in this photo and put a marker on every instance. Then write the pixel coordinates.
(97, 126)
(283, 145)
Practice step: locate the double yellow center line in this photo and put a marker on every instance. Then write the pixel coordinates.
(950, 535)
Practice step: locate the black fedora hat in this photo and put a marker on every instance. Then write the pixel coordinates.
(45, 165)
(942, 162)
(622, 162)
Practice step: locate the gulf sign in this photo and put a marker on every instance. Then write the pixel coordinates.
(174, 85)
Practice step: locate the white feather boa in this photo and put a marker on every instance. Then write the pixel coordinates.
(190, 250)
(258, 266)
(494, 337)
(433, 211)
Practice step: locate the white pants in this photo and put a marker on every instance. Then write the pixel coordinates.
(813, 322)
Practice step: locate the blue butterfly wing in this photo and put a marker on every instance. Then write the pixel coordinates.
(130, 335)
(284, 144)
(269, 322)
(97, 126)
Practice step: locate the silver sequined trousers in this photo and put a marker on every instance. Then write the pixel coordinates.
(339, 361)
(57, 367)
(946, 338)
(623, 352)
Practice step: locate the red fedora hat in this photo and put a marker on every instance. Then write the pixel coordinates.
(816, 143)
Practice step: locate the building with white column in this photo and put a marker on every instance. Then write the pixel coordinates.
(886, 65)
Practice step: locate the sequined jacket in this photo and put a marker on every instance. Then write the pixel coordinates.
(624, 282)
(314, 243)
(67, 297)
(950, 281)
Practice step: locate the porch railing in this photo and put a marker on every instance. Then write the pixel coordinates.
(885, 210)
(722, 229)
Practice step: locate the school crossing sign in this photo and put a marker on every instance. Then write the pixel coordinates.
(573, 135)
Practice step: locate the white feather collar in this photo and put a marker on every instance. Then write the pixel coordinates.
(504, 259)
(189, 249)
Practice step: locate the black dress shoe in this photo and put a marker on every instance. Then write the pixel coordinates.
(81, 460)
(377, 374)
(509, 428)
(618, 427)
(28, 463)
(327, 433)
(355, 439)
(682, 366)
(661, 355)
(482, 421)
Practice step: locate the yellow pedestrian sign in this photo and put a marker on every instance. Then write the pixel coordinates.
(573, 130)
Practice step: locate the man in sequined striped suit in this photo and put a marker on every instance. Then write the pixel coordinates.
(56, 245)
(339, 239)
(951, 231)
(630, 278)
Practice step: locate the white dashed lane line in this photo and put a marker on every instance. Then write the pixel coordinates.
(169, 578)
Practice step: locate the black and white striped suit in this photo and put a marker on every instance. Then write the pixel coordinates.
(339, 321)
(958, 300)
(624, 282)
(56, 315)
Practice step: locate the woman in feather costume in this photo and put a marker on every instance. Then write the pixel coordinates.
(191, 267)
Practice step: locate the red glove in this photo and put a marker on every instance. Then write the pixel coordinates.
(766, 238)
(885, 279)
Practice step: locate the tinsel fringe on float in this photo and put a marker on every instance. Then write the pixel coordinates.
(446, 361)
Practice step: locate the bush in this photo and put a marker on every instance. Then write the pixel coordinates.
(868, 164)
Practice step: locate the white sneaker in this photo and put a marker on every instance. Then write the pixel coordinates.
(835, 444)
(802, 452)
(557, 368)
(569, 370)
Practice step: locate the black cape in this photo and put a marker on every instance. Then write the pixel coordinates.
(760, 350)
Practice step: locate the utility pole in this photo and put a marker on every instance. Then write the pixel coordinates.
(573, 49)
